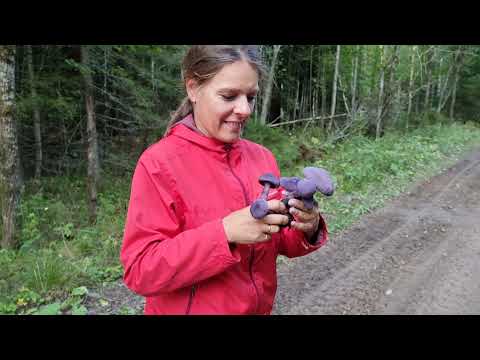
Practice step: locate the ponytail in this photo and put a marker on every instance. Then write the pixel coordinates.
(178, 115)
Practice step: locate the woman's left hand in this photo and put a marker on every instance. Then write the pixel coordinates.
(304, 220)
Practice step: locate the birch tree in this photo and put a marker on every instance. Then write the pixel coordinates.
(334, 86)
(459, 56)
(411, 81)
(269, 85)
(10, 181)
(36, 112)
(354, 83)
(92, 142)
(380, 92)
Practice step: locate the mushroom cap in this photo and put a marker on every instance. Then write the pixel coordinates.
(259, 209)
(306, 188)
(289, 183)
(271, 179)
(321, 178)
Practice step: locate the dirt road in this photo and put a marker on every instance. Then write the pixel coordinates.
(420, 254)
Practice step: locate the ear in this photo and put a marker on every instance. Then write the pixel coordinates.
(192, 90)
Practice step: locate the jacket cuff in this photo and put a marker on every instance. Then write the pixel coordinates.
(224, 250)
(319, 238)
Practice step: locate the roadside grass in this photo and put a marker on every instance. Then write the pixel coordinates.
(367, 172)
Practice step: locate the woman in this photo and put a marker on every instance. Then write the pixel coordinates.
(191, 245)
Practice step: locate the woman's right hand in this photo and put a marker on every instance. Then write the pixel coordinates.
(242, 228)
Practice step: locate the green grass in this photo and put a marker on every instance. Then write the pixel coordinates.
(59, 251)
(61, 255)
(369, 172)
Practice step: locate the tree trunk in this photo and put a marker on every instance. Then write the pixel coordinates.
(36, 113)
(443, 97)
(10, 180)
(92, 143)
(354, 83)
(334, 91)
(410, 83)
(269, 87)
(389, 104)
(458, 64)
(380, 93)
(311, 95)
(295, 105)
(323, 82)
(427, 93)
(440, 82)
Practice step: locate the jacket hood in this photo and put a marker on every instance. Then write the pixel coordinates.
(187, 130)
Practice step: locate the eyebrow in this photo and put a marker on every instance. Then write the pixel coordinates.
(255, 90)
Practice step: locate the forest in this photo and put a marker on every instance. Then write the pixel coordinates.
(74, 120)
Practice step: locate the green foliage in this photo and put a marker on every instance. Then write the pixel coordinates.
(283, 144)
(367, 172)
(50, 309)
(59, 250)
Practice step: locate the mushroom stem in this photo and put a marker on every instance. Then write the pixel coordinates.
(266, 189)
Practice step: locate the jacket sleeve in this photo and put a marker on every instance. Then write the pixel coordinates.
(157, 255)
(293, 243)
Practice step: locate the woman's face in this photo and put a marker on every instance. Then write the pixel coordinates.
(223, 105)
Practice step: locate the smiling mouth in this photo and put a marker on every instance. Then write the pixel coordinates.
(234, 125)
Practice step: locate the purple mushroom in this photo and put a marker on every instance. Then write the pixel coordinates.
(321, 178)
(260, 207)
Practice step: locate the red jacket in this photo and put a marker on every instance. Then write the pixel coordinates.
(175, 251)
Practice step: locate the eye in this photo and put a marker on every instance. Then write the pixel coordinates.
(228, 97)
(251, 99)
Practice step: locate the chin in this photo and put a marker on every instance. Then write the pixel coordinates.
(230, 139)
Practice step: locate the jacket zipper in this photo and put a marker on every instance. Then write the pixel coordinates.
(228, 148)
(252, 252)
(190, 299)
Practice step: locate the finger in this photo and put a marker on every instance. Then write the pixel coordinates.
(270, 229)
(305, 227)
(265, 237)
(277, 206)
(298, 204)
(303, 216)
(275, 219)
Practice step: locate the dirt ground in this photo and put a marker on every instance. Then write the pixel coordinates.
(419, 254)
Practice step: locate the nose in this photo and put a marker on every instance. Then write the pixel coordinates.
(243, 107)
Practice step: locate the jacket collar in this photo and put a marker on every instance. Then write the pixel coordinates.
(187, 130)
